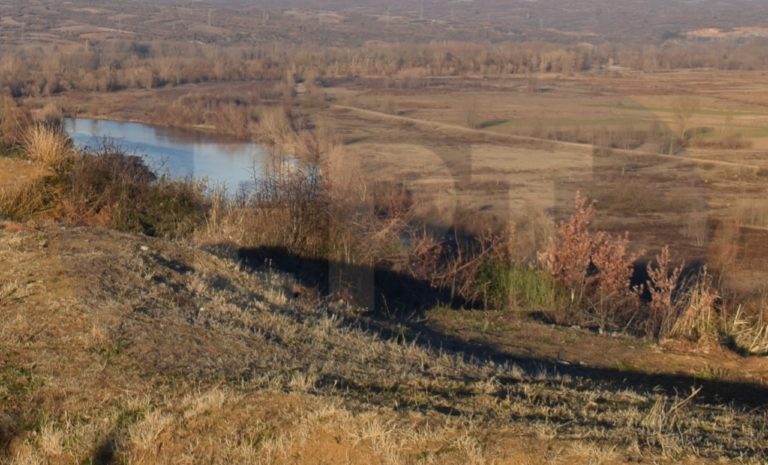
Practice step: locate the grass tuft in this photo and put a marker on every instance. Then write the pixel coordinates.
(49, 146)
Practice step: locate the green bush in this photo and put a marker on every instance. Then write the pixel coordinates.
(173, 209)
(125, 195)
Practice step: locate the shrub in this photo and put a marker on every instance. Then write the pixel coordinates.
(119, 191)
(494, 278)
(568, 256)
(174, 209)
(14, 122)
(52, 115)
(110, 189)
(748, 335)
(595, 268)
(662, 285)
(614, 302)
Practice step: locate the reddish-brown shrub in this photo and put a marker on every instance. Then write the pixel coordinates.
(663, 282)
(568, 256)
(595, 267)
(615, 302)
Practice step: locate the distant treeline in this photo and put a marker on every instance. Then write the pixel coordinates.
(111, 66)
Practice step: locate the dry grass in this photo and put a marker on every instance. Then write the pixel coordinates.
(24, 200)
(698, 320)
(236, 372)
(14, 121)
(749, 334)
(47, 145)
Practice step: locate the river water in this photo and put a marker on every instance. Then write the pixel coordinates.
(176, 153)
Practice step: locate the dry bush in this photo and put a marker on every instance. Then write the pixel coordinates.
(614, 302)
(568, 256)
(310, 212)
(681, 308)
(111, 189)
(319, 208)
(662, 286)
(276, 128)
(471, 270)
(49, 146)
(14, 122)
(230, 114)
(684, 108)
(595, 267)
(313, 203)
(51, 115)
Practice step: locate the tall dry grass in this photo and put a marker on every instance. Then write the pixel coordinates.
(749, 334)
(698, 317)
(25, 200)
(48, 145)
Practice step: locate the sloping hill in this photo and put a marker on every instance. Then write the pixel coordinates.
(123, 349)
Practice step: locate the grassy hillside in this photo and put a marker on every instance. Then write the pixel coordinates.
(122, 349)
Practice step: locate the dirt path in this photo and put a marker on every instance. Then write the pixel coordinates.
(519, 337)
(586, 148)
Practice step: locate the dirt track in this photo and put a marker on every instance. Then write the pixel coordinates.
(584, 148)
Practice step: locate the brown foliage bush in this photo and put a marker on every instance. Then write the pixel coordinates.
(24, 201)
(596, 268)
(230, 114)
(662, 285)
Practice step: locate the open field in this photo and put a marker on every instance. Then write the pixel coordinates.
(509, 170)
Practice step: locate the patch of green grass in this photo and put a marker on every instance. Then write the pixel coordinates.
(702, 111)
(129, 417)
(13, 152)
(17, 381)
(519, 285)
(625, 366)
(492, 123)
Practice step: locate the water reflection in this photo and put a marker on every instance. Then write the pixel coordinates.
(176, 153)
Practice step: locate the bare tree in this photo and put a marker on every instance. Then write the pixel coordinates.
(683, 111)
